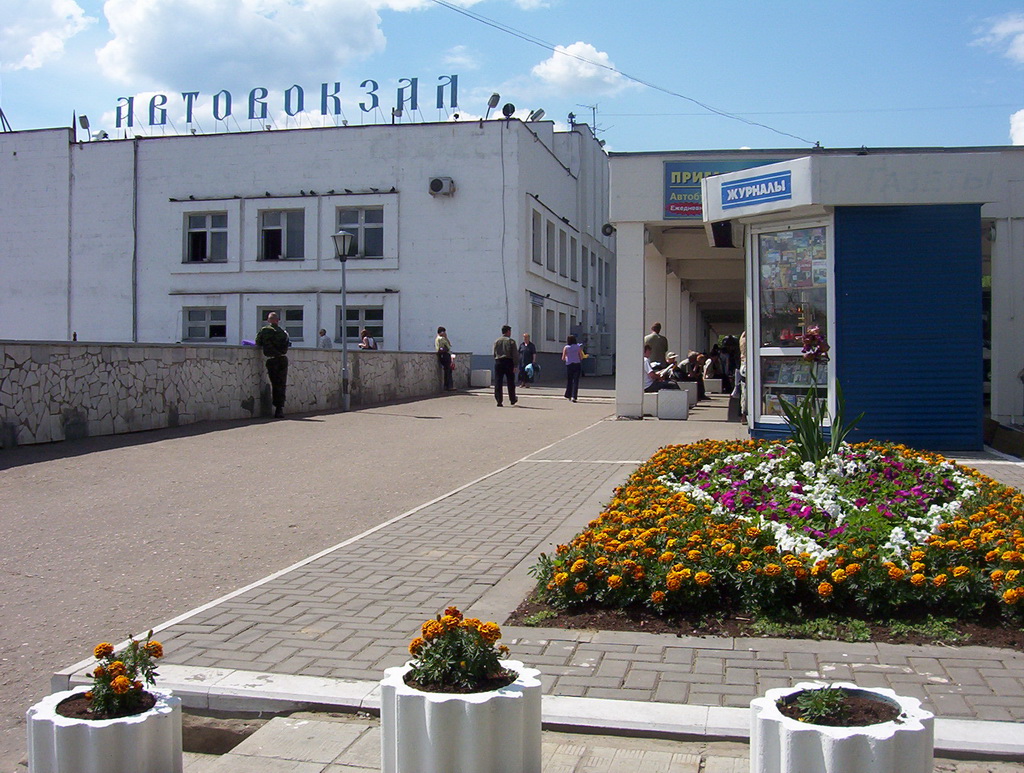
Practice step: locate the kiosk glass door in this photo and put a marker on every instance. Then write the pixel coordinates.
(792, 296)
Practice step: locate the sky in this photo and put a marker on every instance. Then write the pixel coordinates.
(648, 75)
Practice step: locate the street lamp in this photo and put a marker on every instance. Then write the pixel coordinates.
(342, 243)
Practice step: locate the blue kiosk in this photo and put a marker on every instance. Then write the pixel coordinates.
(883, 254)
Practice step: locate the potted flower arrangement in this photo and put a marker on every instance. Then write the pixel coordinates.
(458, 705)
(839, 728)
(116, 725)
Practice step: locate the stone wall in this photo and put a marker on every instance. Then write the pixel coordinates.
(62, 391)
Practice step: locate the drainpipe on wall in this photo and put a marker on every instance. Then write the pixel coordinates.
(135, 240)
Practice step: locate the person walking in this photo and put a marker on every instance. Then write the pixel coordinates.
(324, 341)
(275, 342)
(572, 356)
(443, 347)
(367, 341)
(658, 344)
(527, 365)
(506, 359)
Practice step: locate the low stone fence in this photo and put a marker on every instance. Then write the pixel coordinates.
(63, 391)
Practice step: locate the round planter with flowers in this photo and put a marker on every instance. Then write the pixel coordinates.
(779, 743)
(114, 726)
(458, 708)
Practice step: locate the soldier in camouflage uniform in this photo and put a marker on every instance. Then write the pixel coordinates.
(275, 343)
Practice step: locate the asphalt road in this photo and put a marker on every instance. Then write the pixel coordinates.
(107, 537)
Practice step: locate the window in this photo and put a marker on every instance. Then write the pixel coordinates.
(359, 317)
(538, 239)
(206, 324)
(607, 277)
(551, 246)
(282, 234)
(600, 277)
(549, 328)
(562, 332)
(206, 237)
(366, 224)
(573, 262)
(563, 259)
(291, 319)
(584, 265)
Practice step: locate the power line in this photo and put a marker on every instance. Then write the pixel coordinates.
(557, 50)
(1008, 105)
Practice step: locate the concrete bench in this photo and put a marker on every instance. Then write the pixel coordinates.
(480, 378)
(713, 386)
(650, 404)
(673, 404)
(690, 387)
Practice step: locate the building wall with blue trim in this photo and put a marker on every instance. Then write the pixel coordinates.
(908, 323)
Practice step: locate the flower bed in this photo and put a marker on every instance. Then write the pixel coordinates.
(874, 530)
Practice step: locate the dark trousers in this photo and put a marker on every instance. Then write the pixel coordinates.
(505, 369)
(277, 369)
(444, 359)
(572, 379)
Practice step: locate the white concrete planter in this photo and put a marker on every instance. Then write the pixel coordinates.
(779, 744)
(145, 743)
(487, 732)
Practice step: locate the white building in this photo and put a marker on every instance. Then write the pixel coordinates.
(469, 225)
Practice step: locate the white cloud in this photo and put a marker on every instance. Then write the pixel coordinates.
(33, 32)
(212, 44)
(462, 58)
(1005, 33)
(580, 67)
(1017, 128)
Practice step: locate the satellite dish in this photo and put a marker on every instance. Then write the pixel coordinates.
(508, 110)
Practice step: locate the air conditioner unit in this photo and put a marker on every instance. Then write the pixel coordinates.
(442, 186)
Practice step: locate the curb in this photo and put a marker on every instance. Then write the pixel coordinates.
(247, 692)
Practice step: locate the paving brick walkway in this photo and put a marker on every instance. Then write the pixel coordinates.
(350, 612)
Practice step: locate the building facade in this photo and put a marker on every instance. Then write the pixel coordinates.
(910, 259)
(194, 239)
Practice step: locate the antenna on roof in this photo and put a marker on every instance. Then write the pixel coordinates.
(4, 126)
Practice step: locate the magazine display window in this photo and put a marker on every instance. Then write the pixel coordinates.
(791, 267)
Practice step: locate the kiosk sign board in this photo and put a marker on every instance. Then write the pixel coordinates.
(682, 184)
(777, 186)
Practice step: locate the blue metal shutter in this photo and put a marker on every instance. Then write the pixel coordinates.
(908, 323)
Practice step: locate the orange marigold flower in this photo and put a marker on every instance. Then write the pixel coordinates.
(416, 645)
(673, 581)
(449, 623)
(580, 588)
(103, 650)
(693, 555)
(120, 685)
(753, 532)
(801, 573)
(824, 590)
(895, 573)
(602, 562)
(154, 648)
(578, 566)
(615, 581)
(658, 597)
(702, 578)
(99, 672)
(772, 570)
(769, 549)
(453, 612)
(961, 571)
(939, 580)
(916, 555)
(851, 569)
(917, 566)
(561, 579)
(917, 580)
(431, 629)
(117, 668)
(838, 576)
(1012, 575)
(667, 557)
(997, 575)
(1013, 595)
(744, 566)
(489, 632)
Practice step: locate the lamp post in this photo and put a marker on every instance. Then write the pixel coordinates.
(342, 243)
